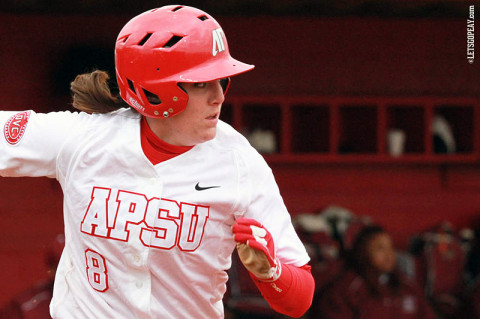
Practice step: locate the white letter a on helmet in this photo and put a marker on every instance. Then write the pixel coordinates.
(218, 45)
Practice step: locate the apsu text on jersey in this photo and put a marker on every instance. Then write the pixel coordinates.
(164, 223)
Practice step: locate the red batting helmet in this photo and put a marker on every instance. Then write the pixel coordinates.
(162, 47)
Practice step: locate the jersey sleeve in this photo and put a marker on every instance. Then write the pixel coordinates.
(31, 142)
(265, 204)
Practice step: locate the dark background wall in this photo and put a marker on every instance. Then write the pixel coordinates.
(294, 55)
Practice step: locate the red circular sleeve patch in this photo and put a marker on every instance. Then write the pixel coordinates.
(15, 127)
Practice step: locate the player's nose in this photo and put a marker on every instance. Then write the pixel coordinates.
(216, 93)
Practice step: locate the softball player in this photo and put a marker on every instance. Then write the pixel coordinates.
(158, 192)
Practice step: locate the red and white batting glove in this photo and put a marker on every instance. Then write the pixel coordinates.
(256, 249)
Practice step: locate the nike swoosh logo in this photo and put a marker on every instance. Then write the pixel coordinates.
(199, 188)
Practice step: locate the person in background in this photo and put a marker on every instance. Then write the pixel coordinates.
(371, 286)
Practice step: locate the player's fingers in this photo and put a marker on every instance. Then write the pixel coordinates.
(249, 229)
(259, 233)
(241, 229)
(256, 245)
(247, 221)
(243, 238)
(252, 242)
(250, 232)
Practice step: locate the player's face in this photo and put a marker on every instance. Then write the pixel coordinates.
(382, 252)
(198, 122)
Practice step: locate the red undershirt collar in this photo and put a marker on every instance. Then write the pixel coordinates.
(156, 149)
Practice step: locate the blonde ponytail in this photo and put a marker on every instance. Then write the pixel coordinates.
(91, 94)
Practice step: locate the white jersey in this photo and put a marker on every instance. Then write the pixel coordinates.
(144, 240)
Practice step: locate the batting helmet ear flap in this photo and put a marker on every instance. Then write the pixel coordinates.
(171, 104)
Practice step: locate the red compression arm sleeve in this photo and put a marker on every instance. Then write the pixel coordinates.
(292, 293)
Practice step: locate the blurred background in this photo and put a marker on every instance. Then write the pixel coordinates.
(369, 109)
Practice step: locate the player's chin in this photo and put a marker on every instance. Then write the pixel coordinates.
(208, 134)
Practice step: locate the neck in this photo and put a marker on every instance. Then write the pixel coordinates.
(164, 131)
(156, 149)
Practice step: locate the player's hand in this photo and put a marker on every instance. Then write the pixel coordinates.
(256, 249)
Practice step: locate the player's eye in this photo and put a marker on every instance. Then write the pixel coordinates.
(200, 85)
